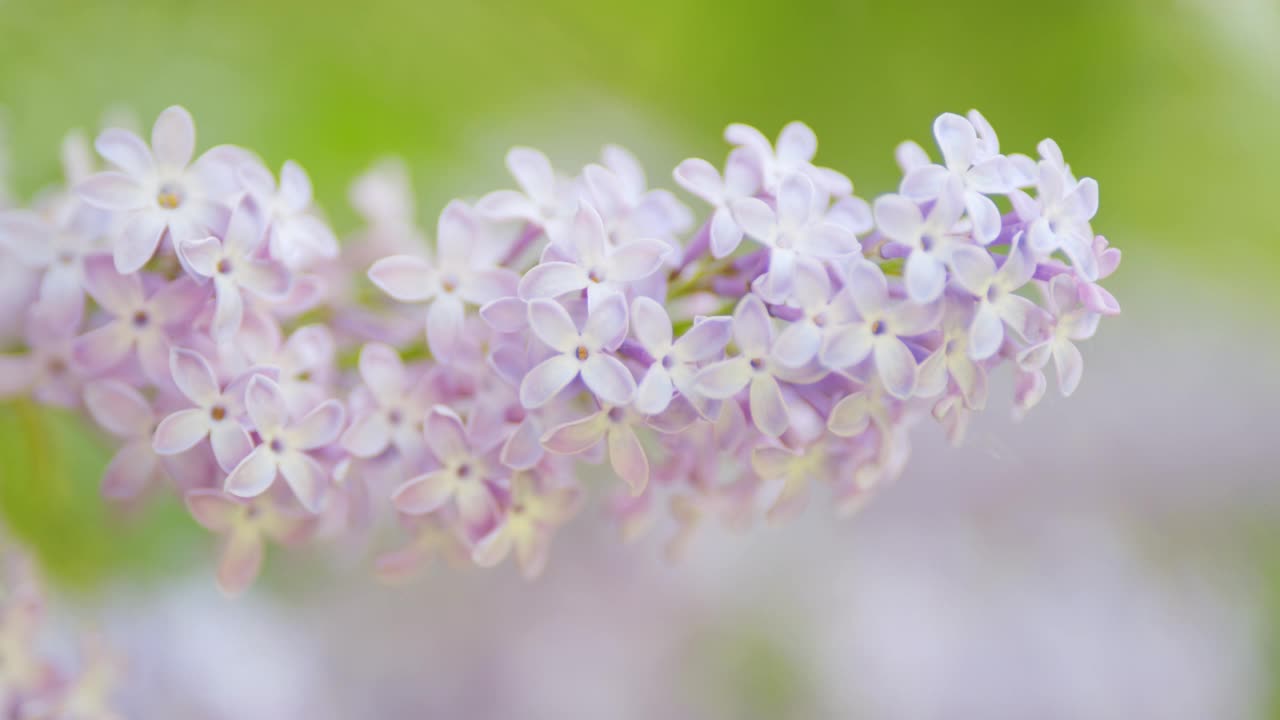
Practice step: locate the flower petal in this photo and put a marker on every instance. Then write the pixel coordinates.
(532, 170)
(898, 218)
(253, 475)
(119, 408)
(112, 191)
(609, 379)
(404, 277)
(319, 427)
(101, 349)
(307, 478)
(266, 405)
(114, 291)
(752, 328)
(636, 260)
(973, 268)
(445, 319)
(896, 366)
(214, 510)
(240, 562)
(700, 178)
(424, 494)
(552, 279)
(651, 325)
(173, 137)
(1069, 365)
(180, 431)
(577, 436)
(546, 380)
(723, 379)
(627, 457)
(368, 435)
(726, 235)
(653, 395)
(851, 416)
(125, 150)
(986, 333)
(797, 344)
(445, 434)
(956, 139)
(705, 340)
(755, 218)
(768, 409)
(137, 243)
(606, 324)
(129, 471)
(925, 276)
(231, 444)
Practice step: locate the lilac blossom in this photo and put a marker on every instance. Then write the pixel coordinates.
(206, 318)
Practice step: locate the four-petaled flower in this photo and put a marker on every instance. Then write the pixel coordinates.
(584, 354)
(216, 414)
(537, 507)
(753, 368)
(462, 476)
(244, 526)
(675, 363)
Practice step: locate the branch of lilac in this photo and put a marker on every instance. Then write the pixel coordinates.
(205, 315)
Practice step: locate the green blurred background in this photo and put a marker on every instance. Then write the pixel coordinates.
(1173, 106)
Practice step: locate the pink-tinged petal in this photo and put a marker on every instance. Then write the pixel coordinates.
(404, 277)
(986, 333)
(129, 471)
(368, 436)
(723, 379)
(112, 191)
(973, 268)
(868, 288)
(295, 186)
(587, 236)
(796, 144)
(846, 346)
(118, 293)
(546, 380)
(985, 216)
(705, 340)
(253, 475)
(651, 325)
(1069, 365)
(609, 379)
(445, 434)
(476, 505)
(532, 171)
(627, 457)
(61, 303)
(201, 254)
(1019, 313)
(245, 229)
(523, 449)
(552, 324)
(265, 279)
(180, 431)
(173, 137)
(925, 277)
(17, 374)
(896, 366)
(319, 427)
(228, 312)
(552, 279)
(489, 285)
(101, 349)
(700, 178)
(307, 478)
(240, 562)
(138, 241)
(898, 218)
(744, 172)
(507, 205)
(795, 200)
(754, 217)
(231, 444)
(957, 140)
(636, 260)
(577, 436)
(28, 237)
(445, 319)
(178, 302)
(125, 150)
(924, 182)
(119, 408)
(506, 315)
(726, 235)
(455, 234)
(768, 409)
(265, 402)
(214, 510)
(653, 395)
(493, 547)
(829, 240)
(751, 327)
(606, 326)
(1076, 247)
(383, 372)
(797, 344)
(851, 416)
(424, 494)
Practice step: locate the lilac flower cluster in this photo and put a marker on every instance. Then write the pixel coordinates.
(204, 314)
(34, 682)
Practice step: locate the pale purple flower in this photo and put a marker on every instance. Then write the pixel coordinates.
(878, 331)
(975, 270)
(159, 189)
(787, 475)
(284, 445)
(929, 239)
(461, 477)
(536, 509)
(543, 200)
(742, 179)
(975, 162)
(464, 271)
(613, 425)
(1071, 322)
(46, 371)
(140, 320)
(753, 369)
(584, 353)
(952, 363)
(792, 155)
(244, 526)
(235, 265)
(1058, 218)
(297, 237)
(798, 228)
(592, 264)
(675, 362)
(630, 210)
(397, 408)
(823, 311)
(215, 415)
(56, 250)
(125, 413)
